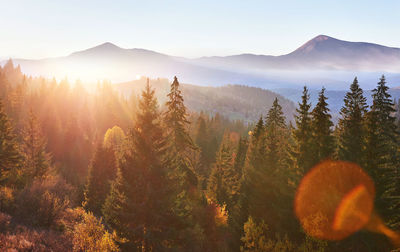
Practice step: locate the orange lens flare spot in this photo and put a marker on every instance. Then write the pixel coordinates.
(353, 211)
(334, 200)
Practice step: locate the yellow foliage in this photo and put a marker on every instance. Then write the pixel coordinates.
(90, 235)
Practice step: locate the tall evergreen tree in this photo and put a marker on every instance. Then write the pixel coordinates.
(102, 170)
(10, 155)
(258, 129)
(36, 159)
(322, 139)
(176, 120)
(382, 156)
(303, 152)
(224, 182)
(142, 189)
(275, 135)
(179, 150)
(266, 173)
(178, 141)
(351, 124)
(202, 141)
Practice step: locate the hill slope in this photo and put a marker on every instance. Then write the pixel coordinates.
(233, 101)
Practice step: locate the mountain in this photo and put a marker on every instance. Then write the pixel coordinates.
(321, 61)
(320, 53)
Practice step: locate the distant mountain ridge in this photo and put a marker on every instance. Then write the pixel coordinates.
(321, 61)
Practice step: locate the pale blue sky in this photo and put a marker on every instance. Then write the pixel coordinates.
(44, 28)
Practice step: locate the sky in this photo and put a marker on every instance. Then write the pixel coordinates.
(51, 28)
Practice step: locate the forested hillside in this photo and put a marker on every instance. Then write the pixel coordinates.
(171, 168)
(233, 101)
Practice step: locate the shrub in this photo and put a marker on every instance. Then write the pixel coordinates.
(44, 201)
(6, 199)
(5, 220)
(25, 239)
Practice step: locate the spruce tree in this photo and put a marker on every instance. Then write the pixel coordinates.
(176, 121)
(321, 128)
(224, 182)
(275, 135)
(266, 173)
(145, 214)
(202, 141)
(178, 158)
(303, 152)
(10, 155)
(36, 159)
(102, 170)
(382, 155)
(238, 211)
(351, 124)
(178, 141)
(258, 129)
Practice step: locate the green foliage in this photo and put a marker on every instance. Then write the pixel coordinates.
(176, 121)
(382, 154)
(224, 181)
(102, 171)
(266, 178)
(145, 214)
(257, 239)
(10, 156)
(322, 138)
(303, 152)
(36, 159)
(352, 126)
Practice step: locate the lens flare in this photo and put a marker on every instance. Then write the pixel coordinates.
(335, 199)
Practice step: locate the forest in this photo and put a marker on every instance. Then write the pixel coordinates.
(96, 170)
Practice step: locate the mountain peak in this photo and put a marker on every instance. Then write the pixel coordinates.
(106, 47)
(320, 38)
(310, 45)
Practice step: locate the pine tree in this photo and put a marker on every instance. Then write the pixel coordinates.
(238, 210)
(255, 237)
(36, 159)
(10, 156)
(102, 170)
(382, 156)
(176, 120)
(179, 150)
(145, 215)
(322, 139)
(240, 157)
(352, 130)
(202, 141)
(266, 173)
(259, 129)
(275, 130)
(178, 141)
(224, 182)
(303, 152)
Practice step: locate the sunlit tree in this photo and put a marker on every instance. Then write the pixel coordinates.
(10, 155)
(102, 170)
(36, 158)
(142, 191)
(352, 126)
(322, 138)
